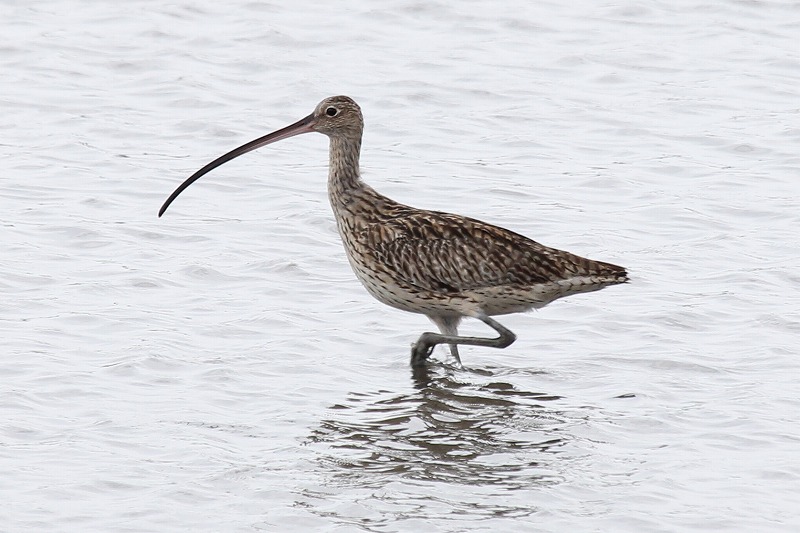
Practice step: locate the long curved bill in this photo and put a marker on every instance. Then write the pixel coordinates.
(304, 125)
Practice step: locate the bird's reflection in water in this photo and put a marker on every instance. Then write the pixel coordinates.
(455, 426)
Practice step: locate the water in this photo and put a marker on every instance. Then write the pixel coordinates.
(220, 369)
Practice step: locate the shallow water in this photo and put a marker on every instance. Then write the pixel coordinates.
(220, 369)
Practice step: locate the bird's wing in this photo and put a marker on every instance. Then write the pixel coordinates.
(450, 253)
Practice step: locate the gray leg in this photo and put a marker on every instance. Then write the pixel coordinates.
(449, 327)
(424, 346)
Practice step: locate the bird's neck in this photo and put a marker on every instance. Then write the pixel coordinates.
(344, 177)
(355, 204)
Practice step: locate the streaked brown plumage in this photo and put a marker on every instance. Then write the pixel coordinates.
(442, 265)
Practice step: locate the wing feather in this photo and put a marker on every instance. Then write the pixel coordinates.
(449, 253)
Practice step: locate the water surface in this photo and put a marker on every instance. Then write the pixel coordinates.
(221, 369)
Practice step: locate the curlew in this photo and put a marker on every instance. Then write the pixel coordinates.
(441, 265)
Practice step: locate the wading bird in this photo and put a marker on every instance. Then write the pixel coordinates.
(438, 264)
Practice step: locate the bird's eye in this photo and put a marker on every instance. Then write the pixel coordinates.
(331, 111)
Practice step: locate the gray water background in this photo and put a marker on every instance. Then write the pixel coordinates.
(221, 369)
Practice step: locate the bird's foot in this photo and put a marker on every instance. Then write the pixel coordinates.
(421, 350)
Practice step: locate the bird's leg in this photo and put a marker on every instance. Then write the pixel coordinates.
(448, 325)
(424, 346)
